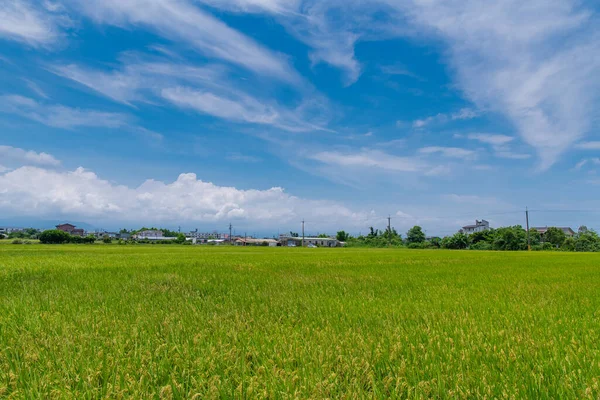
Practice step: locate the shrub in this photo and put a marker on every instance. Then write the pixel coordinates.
(27, 242)
(481, 246)
(458, 241)
(54, 236)
(17, 241)
(107, 240)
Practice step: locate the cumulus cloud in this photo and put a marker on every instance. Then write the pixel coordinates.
(17, 157)
(40, 192)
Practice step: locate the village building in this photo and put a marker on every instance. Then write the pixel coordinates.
(71, 229)
(480, 226)
(567, 231)
(256, 242)
(310, 241)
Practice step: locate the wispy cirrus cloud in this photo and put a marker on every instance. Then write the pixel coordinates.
(370, 159)
(532, 62)
(500, 144)
(593, 145)
(462, 114)
(207, 89)
(34, 23)
(59, 116)
(452, 152)
(501, 56)
(183, 21)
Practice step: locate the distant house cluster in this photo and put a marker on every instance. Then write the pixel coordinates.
(483, 225)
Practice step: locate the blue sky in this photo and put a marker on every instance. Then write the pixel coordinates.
(266, 112)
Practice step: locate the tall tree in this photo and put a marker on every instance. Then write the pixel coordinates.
(415, 235)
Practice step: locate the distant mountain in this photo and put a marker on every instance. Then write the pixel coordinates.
(32, 222)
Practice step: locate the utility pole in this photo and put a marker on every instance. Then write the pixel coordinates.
(389, 230)
(230, 238)
(302, 233)
(527, 221)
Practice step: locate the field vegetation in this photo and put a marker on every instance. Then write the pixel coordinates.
(109, 321)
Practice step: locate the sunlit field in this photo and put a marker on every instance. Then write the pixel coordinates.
(109, 321)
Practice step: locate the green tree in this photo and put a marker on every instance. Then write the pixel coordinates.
(342, 236)
(555, 236)
(294, 234)
(106, 239)
(322, 235)
(180, 238)
(510, 238)
(415, 235)
(54, 236)
(587, 241)
(458, 241)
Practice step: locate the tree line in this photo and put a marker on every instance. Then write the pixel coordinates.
(511, 238)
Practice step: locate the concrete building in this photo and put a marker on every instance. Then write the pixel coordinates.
(150, 234)
(479, 226)
(256, 242)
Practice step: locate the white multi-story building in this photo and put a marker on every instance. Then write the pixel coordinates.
(479, 226)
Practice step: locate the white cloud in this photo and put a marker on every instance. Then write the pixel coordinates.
(81, 194)
(491, 139)
(33, 24)
(206, 89)
(34, 87)
(586, 161)
(512, 155)
(332, 40)
(370, 159)
(241, 108)
(462, 114)
(453, 152)
(182, 21)
(19, 157)
(59, 116)
(588, 146)
(533, 61)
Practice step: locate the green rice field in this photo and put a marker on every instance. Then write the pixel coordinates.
(109, 321)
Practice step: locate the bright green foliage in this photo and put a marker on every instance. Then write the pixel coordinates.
(54, 236)
(180, 238)
(555, 236)
(458, 241)
(220, 322)
(510, 238)
(415, 235)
